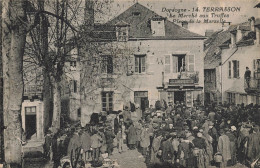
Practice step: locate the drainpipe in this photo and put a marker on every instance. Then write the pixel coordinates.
(163, 79)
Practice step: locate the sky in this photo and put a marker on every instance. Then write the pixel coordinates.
(242, 11)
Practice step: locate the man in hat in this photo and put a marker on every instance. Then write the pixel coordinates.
(131, 136)
(126, 114)
(167, 149)
(96, 142)
(110, 140)
(224, 148)
(214, 134)
(253, 150)
(233, 144)
(184, 152)
(145, 140)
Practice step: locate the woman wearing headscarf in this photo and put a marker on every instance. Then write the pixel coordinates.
(131, 136)
(201, 146)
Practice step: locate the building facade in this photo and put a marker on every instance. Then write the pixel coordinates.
(140, 57)
(229, 53)
(242, 52)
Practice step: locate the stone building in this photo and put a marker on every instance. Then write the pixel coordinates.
(228, 53)
(139, 57)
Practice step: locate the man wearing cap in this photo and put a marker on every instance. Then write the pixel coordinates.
(96, 144)
(214, 134)
(185, 152)
(155, 147)
(253, 151)
(109, 140)
(233, 144)
(211, 116)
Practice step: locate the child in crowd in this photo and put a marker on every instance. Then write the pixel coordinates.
(119, 138)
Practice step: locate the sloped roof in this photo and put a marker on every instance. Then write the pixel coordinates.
(258, 5)
(213, 54)
(257, 21)
(140, 24)
(223, 38)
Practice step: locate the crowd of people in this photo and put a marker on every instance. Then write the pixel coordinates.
(167, 135)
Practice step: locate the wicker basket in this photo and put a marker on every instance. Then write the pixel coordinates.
(196, 151)
(218, 157)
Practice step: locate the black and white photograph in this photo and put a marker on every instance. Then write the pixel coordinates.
(130, 84)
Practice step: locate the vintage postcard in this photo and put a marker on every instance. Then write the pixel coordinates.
(130, 84)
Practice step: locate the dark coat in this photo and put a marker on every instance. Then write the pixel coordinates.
(131, 136)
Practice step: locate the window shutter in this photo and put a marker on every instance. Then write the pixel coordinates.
(254, 64)
(109, 64)
(150, 64)
(117, 101)
(174, 64)
(143, 64)
(229, 69)
(191, 64)
(137, 64)
(167, 64)
(75, 86)
(237, 69)
(131, 65)
(71, 86)
(103, 64)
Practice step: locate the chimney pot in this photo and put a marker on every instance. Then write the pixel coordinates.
(252, 23)
(184, 24)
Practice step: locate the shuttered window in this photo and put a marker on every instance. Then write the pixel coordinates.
(167, 64)
(140, 63)
(191, 63)
(229, 69)
(235, 69)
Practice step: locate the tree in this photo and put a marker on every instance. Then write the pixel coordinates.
(13, 41)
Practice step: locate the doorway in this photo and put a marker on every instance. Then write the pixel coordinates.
(141, 98)
(30, 125)
(30, 121)
(179, 96)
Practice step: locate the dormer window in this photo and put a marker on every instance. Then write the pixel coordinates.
(157, 26)
(136, 13)
(122, 31)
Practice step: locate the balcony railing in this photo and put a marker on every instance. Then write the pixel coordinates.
(183, 78)
(252, 85)
(31, 91)
(180, 81)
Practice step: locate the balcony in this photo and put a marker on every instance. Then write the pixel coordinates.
(180, 81)
(252, 85)
(183, 78)
(33, 92)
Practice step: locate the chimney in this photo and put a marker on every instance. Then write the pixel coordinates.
(184, 24)
(225, 25)
(252, 23)
(158, 26)
(233, 39)
(209, 33)
(257, 35)
(89, 13)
